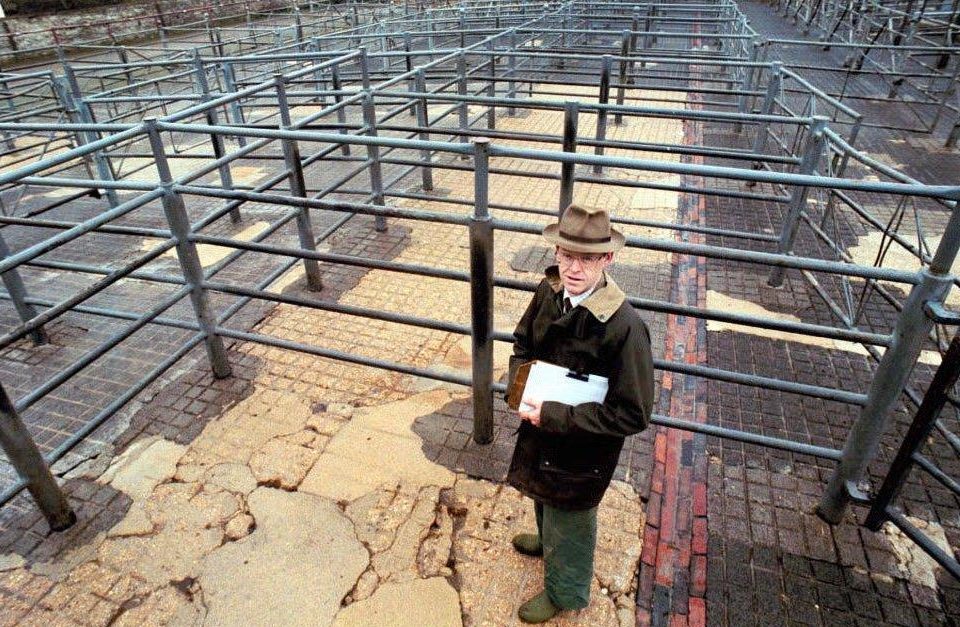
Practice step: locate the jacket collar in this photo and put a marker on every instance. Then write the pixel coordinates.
(602, 303)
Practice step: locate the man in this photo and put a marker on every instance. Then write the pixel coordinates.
(565, 455)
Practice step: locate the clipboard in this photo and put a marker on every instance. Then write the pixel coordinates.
(549, 382)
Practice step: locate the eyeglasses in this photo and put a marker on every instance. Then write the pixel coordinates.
(566, 259)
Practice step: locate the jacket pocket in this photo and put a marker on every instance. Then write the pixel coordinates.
(582, 471)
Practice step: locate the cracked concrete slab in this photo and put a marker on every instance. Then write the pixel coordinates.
(188, 522)
(144, 465)
(414, 603)
(377, 447)
(294, 568)
(914, 563)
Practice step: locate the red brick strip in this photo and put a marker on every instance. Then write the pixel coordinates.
(673, 568)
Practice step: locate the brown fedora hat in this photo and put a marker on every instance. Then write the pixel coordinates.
(584, 230)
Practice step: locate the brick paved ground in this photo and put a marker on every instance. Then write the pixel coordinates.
(770, 559)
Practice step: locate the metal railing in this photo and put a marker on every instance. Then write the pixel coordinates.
(360, 120)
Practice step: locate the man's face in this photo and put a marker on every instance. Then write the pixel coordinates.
(580, 272)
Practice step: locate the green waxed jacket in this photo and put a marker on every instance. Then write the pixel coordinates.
(569, 460)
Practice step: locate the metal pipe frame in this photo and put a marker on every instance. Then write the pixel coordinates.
(470, 61)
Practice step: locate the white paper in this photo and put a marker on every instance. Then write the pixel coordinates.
(548, 382)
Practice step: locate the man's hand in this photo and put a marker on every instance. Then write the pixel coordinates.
(530, 410)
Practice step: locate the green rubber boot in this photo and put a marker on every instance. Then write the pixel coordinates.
(528, 544)
(538, 609)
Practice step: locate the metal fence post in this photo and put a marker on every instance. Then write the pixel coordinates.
(462, 110)
(769, 100)
(570, 116)
(742, 105)
(492, 86)
(18, 293)
(226, 179)
(298, 187)
(176, 214)
(373, 156)
(423, 121)
(25, 457)
(512, 71)
(481, 295)
(891, 376)
(798, 200)
(338, 98)
(603, 98)
(624, 52)
(408, 67)
(62, 92)
(85, 116)
(230, 82)
(321, 83)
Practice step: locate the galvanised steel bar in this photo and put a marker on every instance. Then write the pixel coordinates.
(18, 293)
(29, 464)
(85, 116)
(947, 192)
(813, 153)
(462, 91)
(713, 373)
(934, 471)
(114, 313)
(747, 437)
(298, 187)
(91, 356)
(622, 82)
(230, 82)
(349, 310)
(310, 349)
(672, 226)
(74, 153)
(748, 256)
(338, 100)
(481, 297)
(179, 222)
